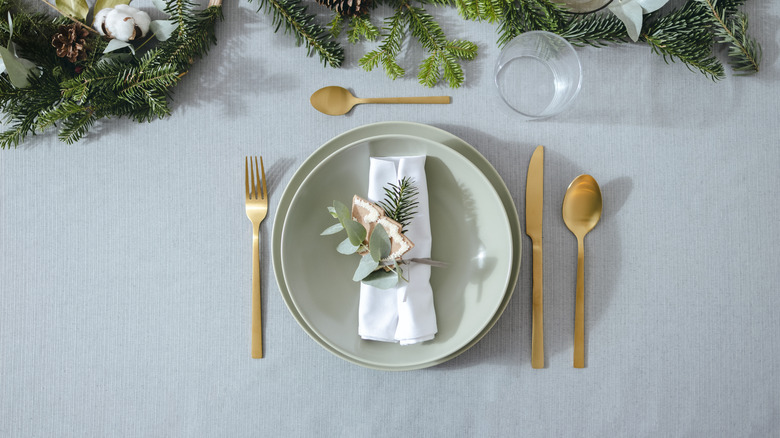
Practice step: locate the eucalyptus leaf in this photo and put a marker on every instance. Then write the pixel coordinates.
(333, 229)
(18, 69)
(379, 245)
(342, 212)
(332, 211)
(104, 4)
(346, 247)
(116, 44)
(77, 9)
(365, 267)
(355, 231)
(381, 279)
(163, 29)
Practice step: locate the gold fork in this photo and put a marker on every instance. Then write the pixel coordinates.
(256, 209)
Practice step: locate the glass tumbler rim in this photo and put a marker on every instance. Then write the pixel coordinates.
(569, 51)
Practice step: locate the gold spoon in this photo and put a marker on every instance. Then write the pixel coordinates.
(581, 212)
(337, 101)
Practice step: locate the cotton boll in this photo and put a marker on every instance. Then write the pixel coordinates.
(100, 20)
(142, 20)
(123, 22)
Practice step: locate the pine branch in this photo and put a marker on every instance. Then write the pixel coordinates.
(336, 25)
(293, 16)
(595, 30)
(193, 38)
(684, 34)
(438, 2)
(360, 27)
(743, 50)
(443, 55)
(76, 126)
(22, 111)
(430, 73)
(511, 25)
(526, 15)
(389, 47)
(730, 28)
(488, 10)
(461, 49)
(400, 202)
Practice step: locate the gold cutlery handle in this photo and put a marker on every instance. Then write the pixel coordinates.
(537, 326)
(257, 328)
(422, 99)
(579, 308)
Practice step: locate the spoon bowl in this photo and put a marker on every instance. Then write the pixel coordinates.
(337, 101)
(582, 206)
(333, 101)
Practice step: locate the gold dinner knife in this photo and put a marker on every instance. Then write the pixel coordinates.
(534, 203)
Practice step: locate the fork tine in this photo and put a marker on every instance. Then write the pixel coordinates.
(253, 193)
(265, 186)
(257, 180)
(246, 175)
(256, 177)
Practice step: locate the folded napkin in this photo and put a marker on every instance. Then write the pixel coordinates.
(405, 313)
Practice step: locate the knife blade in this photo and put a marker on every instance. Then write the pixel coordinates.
(534, 206)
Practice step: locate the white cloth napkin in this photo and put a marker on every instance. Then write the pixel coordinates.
(405, 313)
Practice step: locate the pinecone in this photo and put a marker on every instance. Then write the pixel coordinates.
(348, 8)
(70, 42)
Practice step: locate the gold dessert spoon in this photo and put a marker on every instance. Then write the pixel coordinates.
(337, 101)
(581, 213)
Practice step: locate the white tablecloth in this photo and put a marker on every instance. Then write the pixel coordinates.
(125, 259)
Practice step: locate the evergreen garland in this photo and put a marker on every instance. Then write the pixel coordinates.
(295, 19)
(73, 96)
(688, 34)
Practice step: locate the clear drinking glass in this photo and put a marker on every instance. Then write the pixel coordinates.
(538, 74)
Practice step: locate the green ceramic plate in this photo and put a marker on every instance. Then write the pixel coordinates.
(412, 129)
(470, 232)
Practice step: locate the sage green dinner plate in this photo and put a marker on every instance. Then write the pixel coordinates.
(423, 132)
(470, 232)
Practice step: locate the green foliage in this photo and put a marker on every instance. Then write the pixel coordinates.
(730, 28)
(744, 51)
(443, 57)
(379, 245)
(527, 15)
(685, 34)
(373, 267)
(366, 266)
(382, 279)
(77, 9)
(389, 48)
(360, 28)
(400, 202)
(595, 30)
(73, 97)
(346, 247)
(296, 20)
(489, 10)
